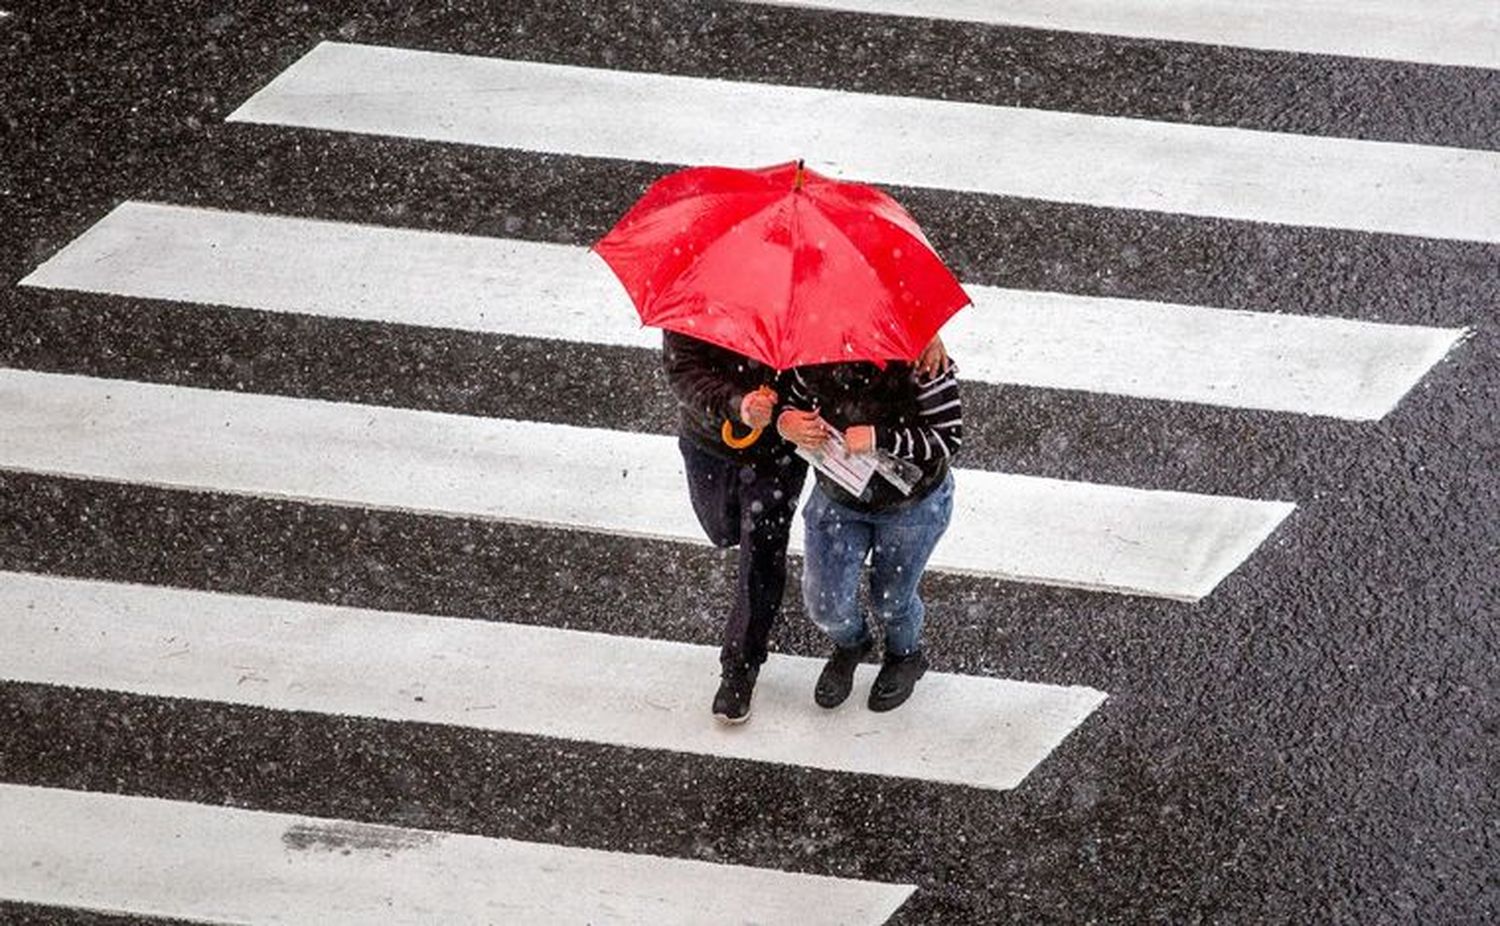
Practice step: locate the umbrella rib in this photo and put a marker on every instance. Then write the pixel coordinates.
(794, 231)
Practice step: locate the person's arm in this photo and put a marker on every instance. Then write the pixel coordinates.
(692, 367)
(939, 430)
(799, 420)
(796, 393)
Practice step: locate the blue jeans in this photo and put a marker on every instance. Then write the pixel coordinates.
(897, 542)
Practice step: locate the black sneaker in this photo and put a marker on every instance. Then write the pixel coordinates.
(837, 677)
(732, 703)
(898, 676)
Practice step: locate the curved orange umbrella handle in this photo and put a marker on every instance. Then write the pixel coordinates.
(726, 432)
(738, 443)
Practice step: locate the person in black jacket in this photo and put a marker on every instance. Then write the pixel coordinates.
(743, 498)
(912, 417)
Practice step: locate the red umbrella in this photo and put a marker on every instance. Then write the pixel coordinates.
(783, 265)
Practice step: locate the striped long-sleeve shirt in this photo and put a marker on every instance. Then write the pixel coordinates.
(939, 430)
(916, 419)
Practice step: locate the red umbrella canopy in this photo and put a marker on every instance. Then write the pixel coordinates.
(783, 265)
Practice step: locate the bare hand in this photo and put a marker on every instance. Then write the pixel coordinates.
(860, 438)
(805, 429)
(933, 359)
(756, 407)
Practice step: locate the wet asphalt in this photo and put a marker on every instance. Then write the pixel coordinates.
(1314, 742)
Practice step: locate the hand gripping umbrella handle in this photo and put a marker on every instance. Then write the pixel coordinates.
(726, 431)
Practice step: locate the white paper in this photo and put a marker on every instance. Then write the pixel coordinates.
(851, 471)
(903, 474)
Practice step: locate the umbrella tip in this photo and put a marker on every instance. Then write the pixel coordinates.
(797, 180)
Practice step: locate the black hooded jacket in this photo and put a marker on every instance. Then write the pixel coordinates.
(710, 382)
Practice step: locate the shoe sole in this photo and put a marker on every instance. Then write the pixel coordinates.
(729, 721)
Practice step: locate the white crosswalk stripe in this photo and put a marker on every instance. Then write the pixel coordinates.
(1320, 366)
(1170, 544)
(1453, 32)
(167, 858)
(1068, 157)
(979, 732)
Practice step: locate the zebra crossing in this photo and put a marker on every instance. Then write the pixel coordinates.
(282, 656)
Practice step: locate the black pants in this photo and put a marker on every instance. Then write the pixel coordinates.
(749, 506)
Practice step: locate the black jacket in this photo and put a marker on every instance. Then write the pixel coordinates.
(710, 382)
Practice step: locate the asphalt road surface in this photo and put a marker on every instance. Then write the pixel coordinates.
(323, 600)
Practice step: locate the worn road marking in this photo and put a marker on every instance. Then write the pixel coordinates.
(1316, 366)
(1068, 157)
(152, 857)
(1026, 528)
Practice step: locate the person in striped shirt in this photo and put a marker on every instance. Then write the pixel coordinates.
(911, 416)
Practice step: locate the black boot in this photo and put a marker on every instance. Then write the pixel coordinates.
(898, 676)
(737, 685)
(837, 678)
